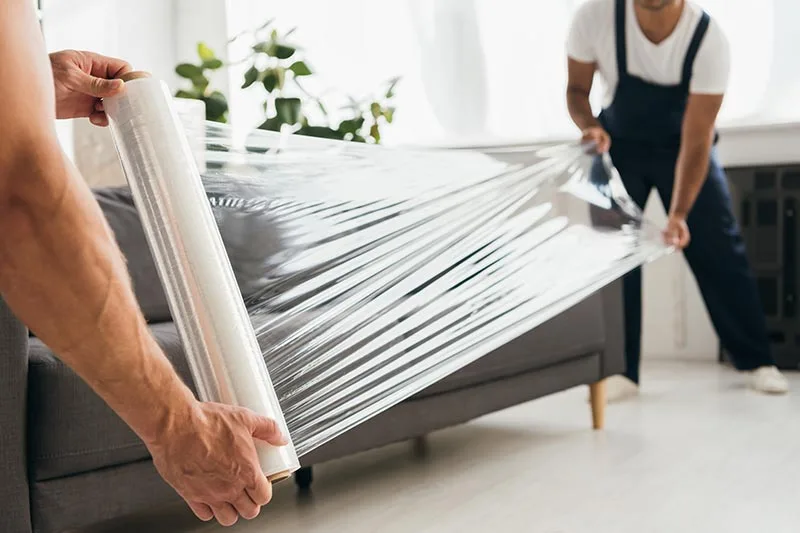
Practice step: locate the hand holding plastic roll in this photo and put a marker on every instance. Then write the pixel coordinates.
(205, 300)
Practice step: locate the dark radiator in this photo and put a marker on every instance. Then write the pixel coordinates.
(766, 201)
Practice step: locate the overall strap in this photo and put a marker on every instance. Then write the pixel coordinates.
(694, 46)
(622, 52)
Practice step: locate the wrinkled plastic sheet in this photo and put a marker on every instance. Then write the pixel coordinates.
(371, 273)
(322, 282)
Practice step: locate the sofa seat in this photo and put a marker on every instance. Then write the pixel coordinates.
(61, 444)
(572, 334)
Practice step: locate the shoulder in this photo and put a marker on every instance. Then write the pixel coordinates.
(594, 12)
(712, 65)
(715, 46)
(590, 18)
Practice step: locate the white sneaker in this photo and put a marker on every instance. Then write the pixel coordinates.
(620, 388)
(769, 380)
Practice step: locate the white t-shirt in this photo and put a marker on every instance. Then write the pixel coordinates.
(592, 40)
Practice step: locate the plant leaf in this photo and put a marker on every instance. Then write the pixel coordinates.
(200, 83)
(270, 80)
(216, 106)
(321, 131)
(376, 110)
(250, 77)
(262, 47)
(351, 125)
(300, 69)
(205, 53)
(271, 124)
(389, 114)
(375, 133)
(189, 71)
(212, 64)
(289, 110)
(186, 94)
(283, 51)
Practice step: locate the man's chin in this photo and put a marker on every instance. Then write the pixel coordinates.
(654, 5)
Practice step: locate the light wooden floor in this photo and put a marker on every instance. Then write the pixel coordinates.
(696, 453)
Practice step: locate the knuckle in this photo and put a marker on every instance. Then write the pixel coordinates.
(268, 424)
(248, 509)
(232, 494)
(227, 520)
(238, 416)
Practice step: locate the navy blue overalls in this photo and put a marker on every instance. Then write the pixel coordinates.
(644, 122)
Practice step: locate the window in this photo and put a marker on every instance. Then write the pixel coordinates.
(479, 69)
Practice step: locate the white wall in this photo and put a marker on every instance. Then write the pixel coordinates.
(139, 32)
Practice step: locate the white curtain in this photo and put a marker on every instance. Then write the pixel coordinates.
(488, 70)
(452, 64)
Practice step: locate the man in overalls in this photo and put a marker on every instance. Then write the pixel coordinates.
(665, 65)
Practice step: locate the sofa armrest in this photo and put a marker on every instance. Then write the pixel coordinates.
(14, 492)
(613, 360)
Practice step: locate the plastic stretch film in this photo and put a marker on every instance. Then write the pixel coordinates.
(370, 273)
(213, 323)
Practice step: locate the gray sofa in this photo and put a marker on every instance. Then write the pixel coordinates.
(68, 461)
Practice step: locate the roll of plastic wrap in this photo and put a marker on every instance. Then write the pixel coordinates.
(205, 300)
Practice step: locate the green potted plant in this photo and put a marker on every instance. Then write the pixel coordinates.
(278, 68)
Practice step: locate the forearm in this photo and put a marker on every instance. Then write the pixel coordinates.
(580, 110)
(690, 174)
(63, 275)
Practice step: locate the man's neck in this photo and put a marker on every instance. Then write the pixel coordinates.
(658, 25)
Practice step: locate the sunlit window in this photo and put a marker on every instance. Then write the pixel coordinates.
(474, 70)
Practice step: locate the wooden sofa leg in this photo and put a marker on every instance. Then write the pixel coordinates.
(597, 398)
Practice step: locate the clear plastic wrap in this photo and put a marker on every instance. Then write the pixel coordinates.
(371, 273)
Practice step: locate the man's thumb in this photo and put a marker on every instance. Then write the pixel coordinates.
(267, 430)
(99, 87)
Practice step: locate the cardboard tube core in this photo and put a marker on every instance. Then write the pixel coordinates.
(280, 476)
(134, 75)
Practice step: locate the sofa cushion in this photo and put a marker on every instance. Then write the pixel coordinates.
(71, 430)
(253, 237)
(120, 212)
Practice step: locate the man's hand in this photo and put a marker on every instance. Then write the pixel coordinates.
(81, 79)
(208, 456)
(598, 137)
(677, 232)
